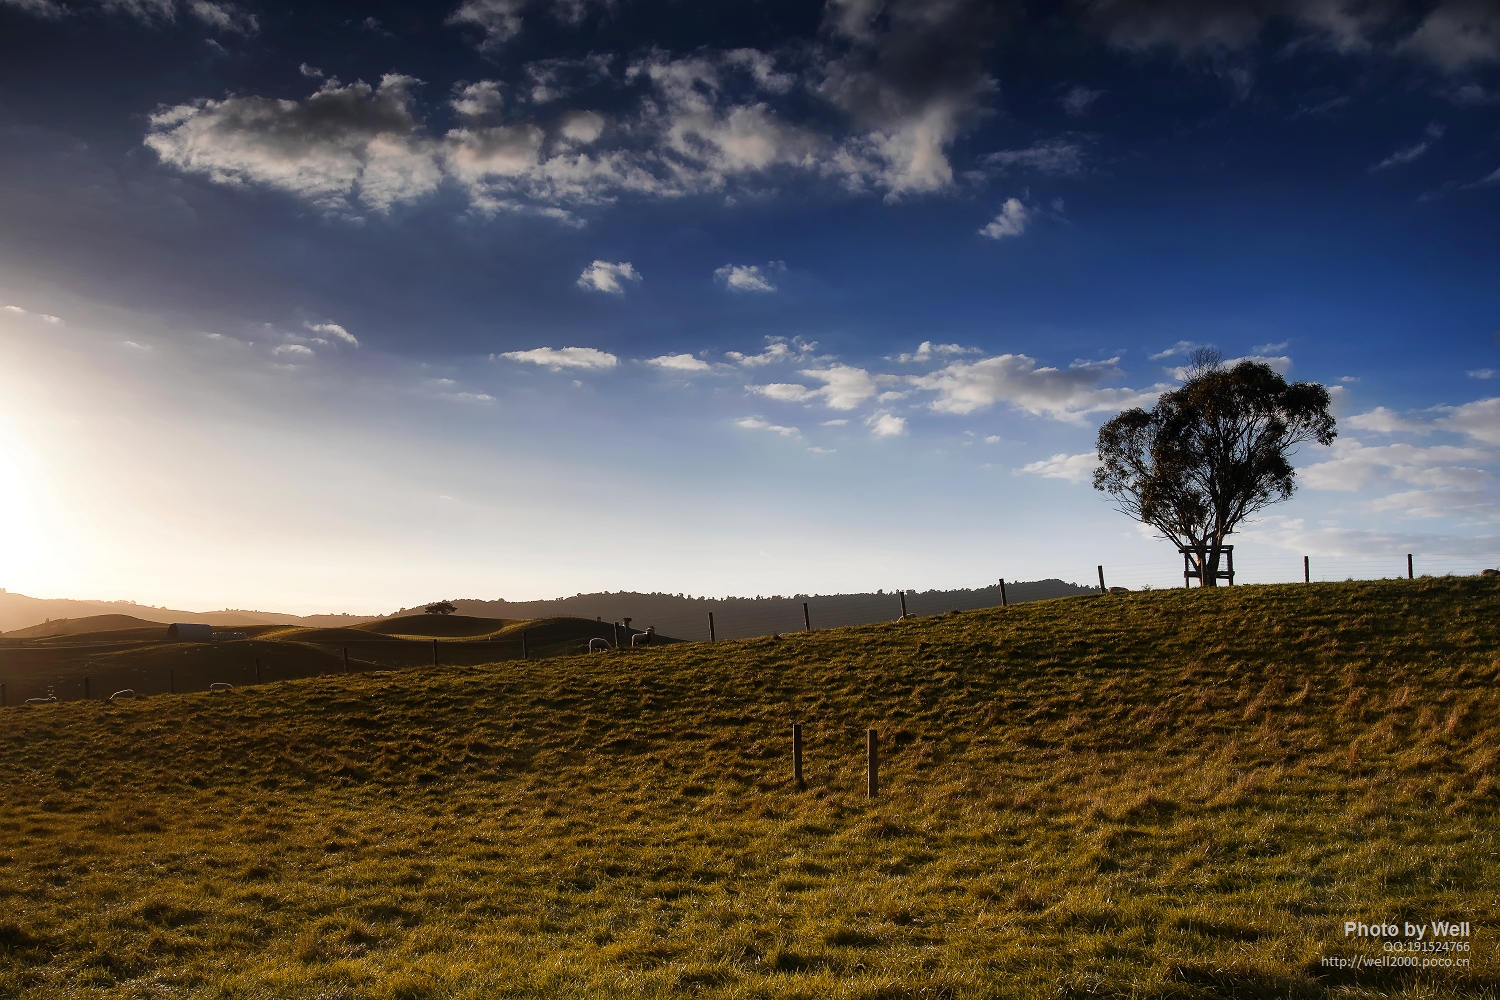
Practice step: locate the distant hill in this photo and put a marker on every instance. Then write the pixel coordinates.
(17, 611)
(744, 617)
(672, 614)
(80, 626)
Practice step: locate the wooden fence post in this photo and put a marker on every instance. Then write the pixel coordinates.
(1408, 567)
(1306, 570)
(711, 637)
(617, 636)
(1002, 592)
(872, 755)
(172, 681)
(346, 659)
(434, 652)
(85, 689)
(1102, 588)
(902, 594)
(525, 653)
(806, 621)
(3, 702)
(257, 670)
(797, 754)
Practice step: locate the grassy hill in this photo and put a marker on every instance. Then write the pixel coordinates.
(1169, 794)
(144, 660)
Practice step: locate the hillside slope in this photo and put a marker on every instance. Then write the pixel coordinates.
(1170, 794)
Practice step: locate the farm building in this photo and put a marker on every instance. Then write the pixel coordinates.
(190, 633)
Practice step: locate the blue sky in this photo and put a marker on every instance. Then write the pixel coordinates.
(344, 307)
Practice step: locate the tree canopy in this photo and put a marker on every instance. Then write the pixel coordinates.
(1211, 453)
(441, 608)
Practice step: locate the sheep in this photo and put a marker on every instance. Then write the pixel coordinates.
(643, 638)
(41, 701)
(905, 618)
(124, 693)
(221, 686)
(599, 645)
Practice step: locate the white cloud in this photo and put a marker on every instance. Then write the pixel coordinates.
(333, 329)
(44, 317)
(311, 72)
(499, 20)
(756, 424)
(476, 101)
(1011, 221)
(1482, 373)
(1355, 466)
(1474, 504)
(835, 423)
(1015, 379)
(1280, 365)
(778, 349)
(1078, 100)
(1384, 421)
(1073, 468)
(602, 276)
(146, 347)
(470, 397)
(927, 349)
(296, 350)
(1182, 347)
(885, 424)
(993, 439)
(844, 387)
(878, 113)
(680, 363)
(342, 144)
(1062, 156)
(748, 277)
(1479, 420)
(1458, 35)
(565, 357)
(1270, 348)
(1401, 157)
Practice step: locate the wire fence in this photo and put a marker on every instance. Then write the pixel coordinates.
(66, 670)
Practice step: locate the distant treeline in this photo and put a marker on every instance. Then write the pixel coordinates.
(742, 617)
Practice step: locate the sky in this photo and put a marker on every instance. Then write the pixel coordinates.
(328, 307)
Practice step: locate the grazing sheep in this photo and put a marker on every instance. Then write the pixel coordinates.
(41, 701)
(221, 686)
(125, 693)
(643, 638)
(599, 646)
(905, 617)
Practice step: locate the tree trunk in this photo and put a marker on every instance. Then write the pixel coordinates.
(1209, 563)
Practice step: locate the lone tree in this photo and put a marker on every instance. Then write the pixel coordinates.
(1211, 453)
(440, 608)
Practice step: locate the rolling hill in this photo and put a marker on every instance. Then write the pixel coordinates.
(1170, 794)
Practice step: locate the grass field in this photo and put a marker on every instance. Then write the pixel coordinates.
(1166, 794)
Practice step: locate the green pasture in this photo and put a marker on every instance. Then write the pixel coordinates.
(1164, 794)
